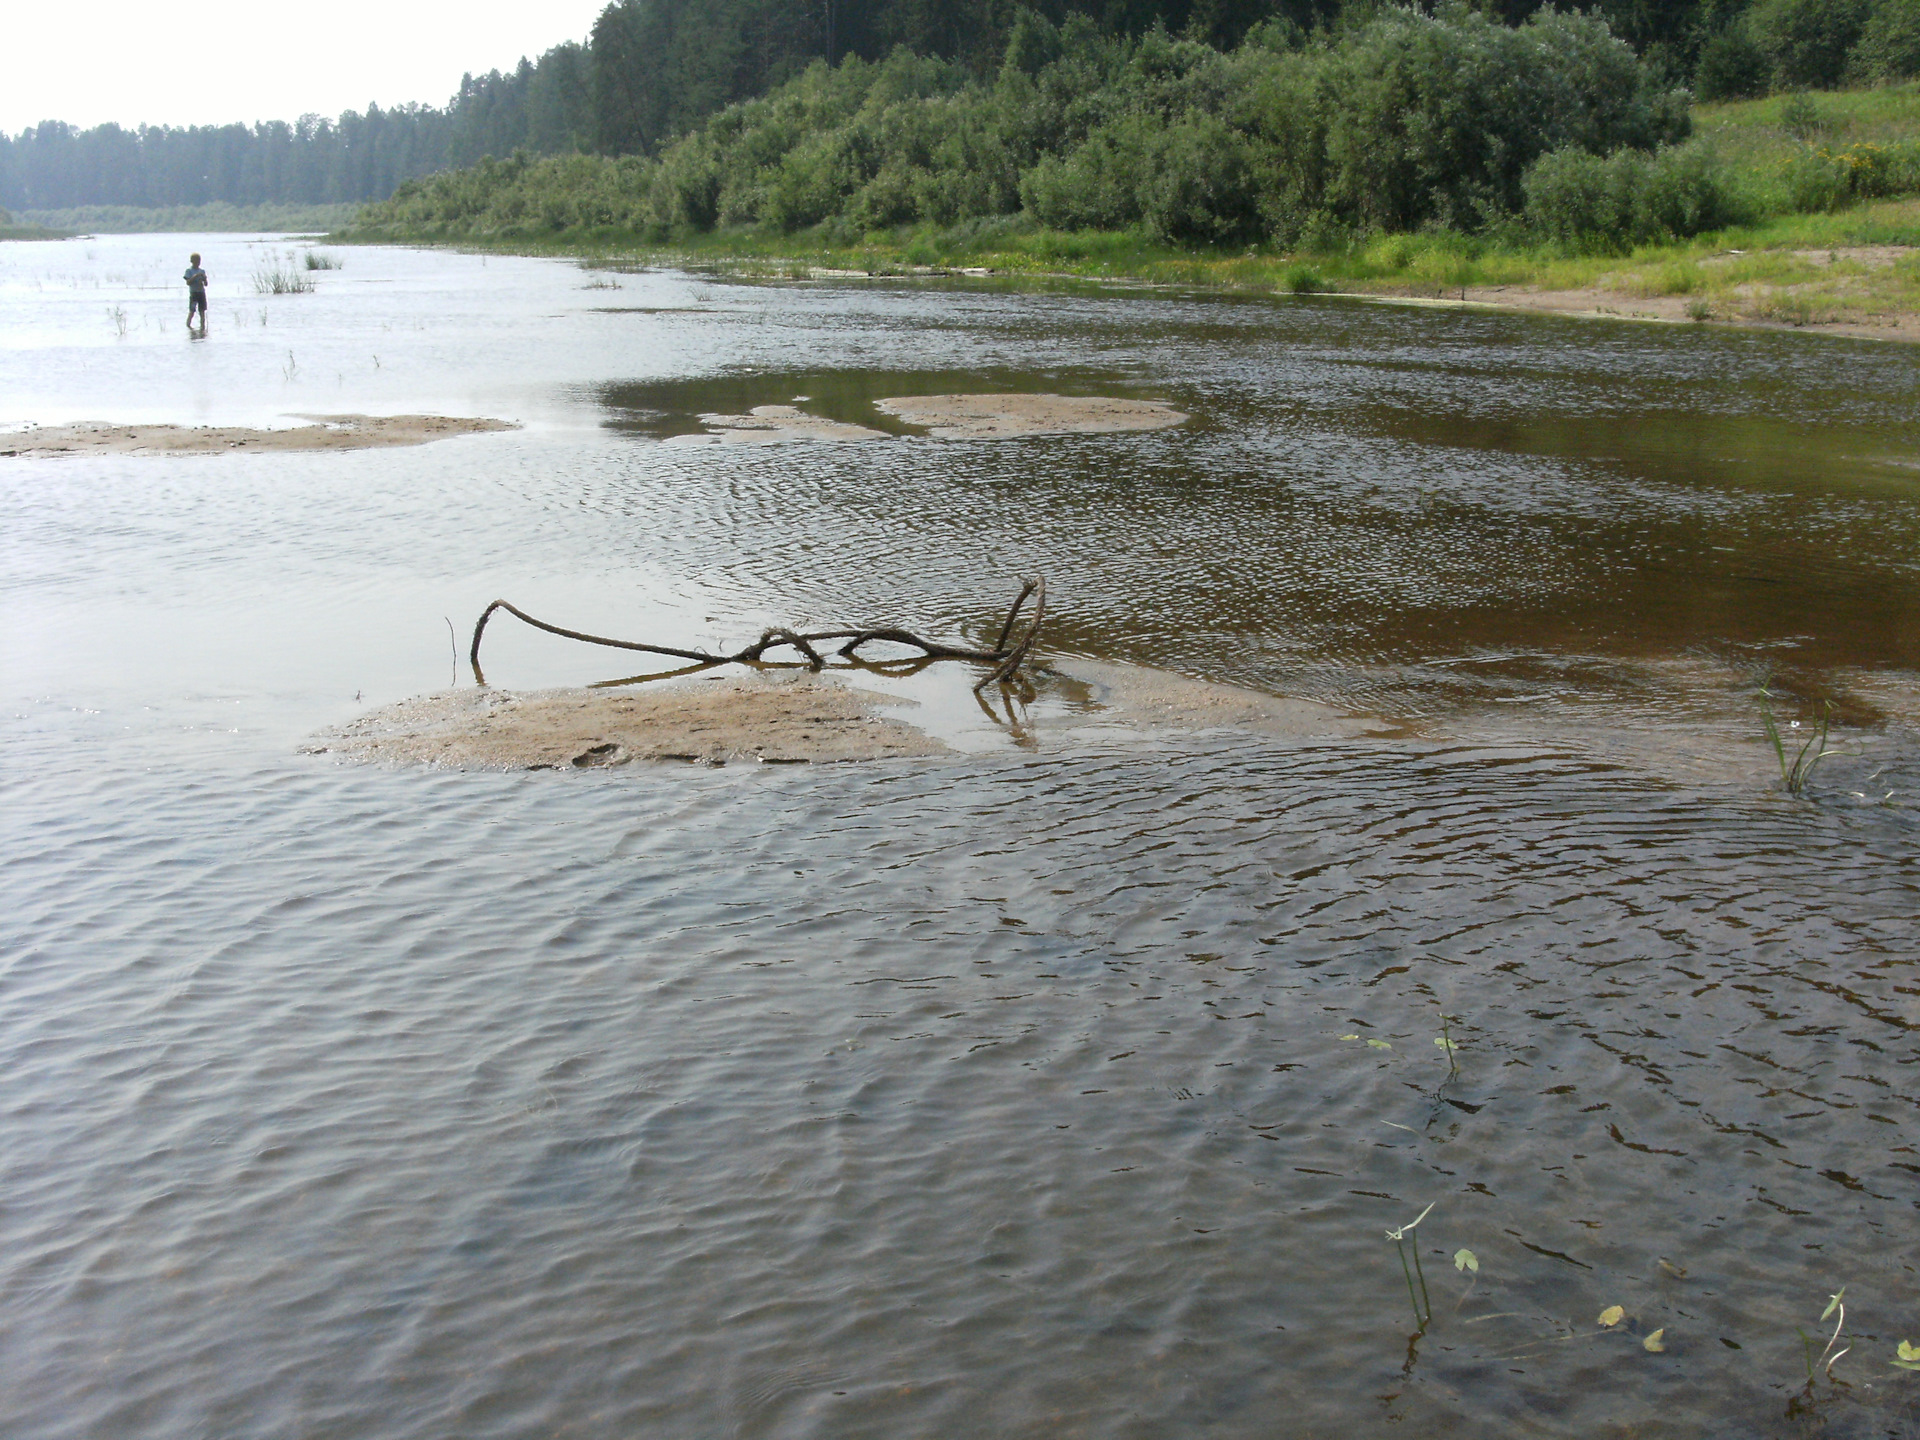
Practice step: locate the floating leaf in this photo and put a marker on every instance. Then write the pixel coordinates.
(1909, 1354)
(1379, 1045)
(1466, 1260)
(1349, 1037)
(1612, 1316)
(1652, 1343)
(1445, 1044)
(1833, 1303)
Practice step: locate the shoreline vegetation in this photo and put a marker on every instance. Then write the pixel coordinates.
(25, 229)
(1419, 157)
(217, 216)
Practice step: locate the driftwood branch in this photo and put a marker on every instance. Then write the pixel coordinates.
(1006, 656)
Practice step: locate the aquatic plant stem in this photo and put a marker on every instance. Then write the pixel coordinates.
(1795, 773)
(1412, 1299)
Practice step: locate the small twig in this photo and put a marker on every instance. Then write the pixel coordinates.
(1037, 587)
(1013, 613)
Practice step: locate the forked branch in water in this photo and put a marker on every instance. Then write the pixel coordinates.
(1006, 657)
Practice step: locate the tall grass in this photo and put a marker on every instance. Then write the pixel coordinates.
(280, 279)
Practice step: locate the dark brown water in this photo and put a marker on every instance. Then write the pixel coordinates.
(1026, 1094)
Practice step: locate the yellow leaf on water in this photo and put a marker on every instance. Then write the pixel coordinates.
(1652, 1342)
(1612, 1316)
(1909, 1350)
(1466, 1260)
(1379, 1044)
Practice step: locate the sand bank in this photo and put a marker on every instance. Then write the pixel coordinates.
(769, 719)
(775, 425)
(329, 432)
(1001, 417)
(945, 417)
(794, 717)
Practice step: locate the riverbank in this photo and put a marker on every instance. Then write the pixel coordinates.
(14, 230)
(1824, 188)
(1856, 273)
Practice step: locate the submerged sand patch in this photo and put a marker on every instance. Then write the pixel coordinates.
(1002, 417)
(945, 417)
(1143, 698)
(775, 425)
(795, 717)
(329, 432)
(771, 719)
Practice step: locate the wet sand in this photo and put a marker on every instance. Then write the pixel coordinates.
(771, 719)
(787, 718)
(944, 417)
(1001, 417)
(776, 425)
(329, 432)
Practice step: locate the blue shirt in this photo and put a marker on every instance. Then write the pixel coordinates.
(196, 279)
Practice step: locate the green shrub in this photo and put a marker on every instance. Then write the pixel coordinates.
(1435, 121)
(1808, 41)
(1732, 67)
(1201, 186)
(1097, 186)
(1889, 47)
(1611, 203)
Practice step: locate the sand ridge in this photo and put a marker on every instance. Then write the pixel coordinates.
(1000, 417)
(327, 432)
(944, 417)
(766, 718)
(775, 425)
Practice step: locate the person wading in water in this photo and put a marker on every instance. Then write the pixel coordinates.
(196, 279)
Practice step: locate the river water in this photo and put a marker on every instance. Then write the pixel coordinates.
(1050, 1090)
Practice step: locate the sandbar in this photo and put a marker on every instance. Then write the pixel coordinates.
(776, 425)
(766, 719)
(944, 417)
(329, 432)
(1003, 417)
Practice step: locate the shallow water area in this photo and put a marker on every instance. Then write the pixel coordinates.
(1065, 1085)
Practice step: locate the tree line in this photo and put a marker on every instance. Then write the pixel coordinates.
(654, 72)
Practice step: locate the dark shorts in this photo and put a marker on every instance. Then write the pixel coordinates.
(196, 300)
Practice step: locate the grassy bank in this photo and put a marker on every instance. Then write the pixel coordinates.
(1858, 267)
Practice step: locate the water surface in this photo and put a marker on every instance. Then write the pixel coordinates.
(1026, 1093)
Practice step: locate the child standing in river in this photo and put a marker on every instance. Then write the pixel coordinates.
(196, 279)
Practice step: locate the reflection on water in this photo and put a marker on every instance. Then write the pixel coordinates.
(1013, 1094)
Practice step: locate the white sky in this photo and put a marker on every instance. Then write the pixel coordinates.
(90, 61)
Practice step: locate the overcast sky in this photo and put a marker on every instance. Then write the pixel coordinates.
(171, 63)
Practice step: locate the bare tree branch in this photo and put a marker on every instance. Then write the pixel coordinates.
(1006, 661)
